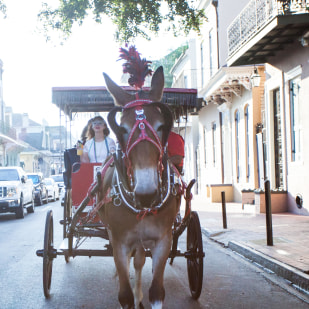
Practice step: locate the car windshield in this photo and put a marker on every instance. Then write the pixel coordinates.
(35, 178)
(8, 175)
(57, 178)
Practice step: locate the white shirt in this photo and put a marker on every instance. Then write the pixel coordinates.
(97, 151)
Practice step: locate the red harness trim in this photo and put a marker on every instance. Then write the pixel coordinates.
(141, 215)
(141, 124)
(137, 102)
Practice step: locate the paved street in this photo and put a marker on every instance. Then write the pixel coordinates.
(229, 280)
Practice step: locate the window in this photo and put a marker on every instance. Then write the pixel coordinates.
(237, 121)
(247, 142)
(202, 64)
(295, 120)
(210, 53)
(214, 128)
(205, 145)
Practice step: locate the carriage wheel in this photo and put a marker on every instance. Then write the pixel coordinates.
(67, 211)
(67, 216)
(195, 255)
(48, 254)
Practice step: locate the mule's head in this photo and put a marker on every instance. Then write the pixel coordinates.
(142, 133)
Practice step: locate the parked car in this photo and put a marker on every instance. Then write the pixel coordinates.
(40, 190)
(16, 191)
(62, 196)
(52, 189)
(58, 180)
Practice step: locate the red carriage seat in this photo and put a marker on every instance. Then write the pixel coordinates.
(82, 178)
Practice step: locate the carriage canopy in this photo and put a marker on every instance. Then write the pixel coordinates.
(97, 99)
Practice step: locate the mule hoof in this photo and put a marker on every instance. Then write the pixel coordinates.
(141, 306)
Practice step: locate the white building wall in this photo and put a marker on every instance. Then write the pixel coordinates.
(206, 47)
(290, 64)
(227, 143)
(211, 165)
(239, 104)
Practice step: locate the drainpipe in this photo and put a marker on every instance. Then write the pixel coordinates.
(285, 132)
(221, 146)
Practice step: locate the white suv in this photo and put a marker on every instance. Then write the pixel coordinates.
(16, 191)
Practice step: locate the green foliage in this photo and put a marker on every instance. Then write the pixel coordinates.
(3, 8)
(167, 62)
(133, 18)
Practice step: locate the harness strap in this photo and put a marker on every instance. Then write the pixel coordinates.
(138, 102)
(142, 214)
(105, 200)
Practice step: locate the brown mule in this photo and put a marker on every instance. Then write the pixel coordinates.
(144, 201)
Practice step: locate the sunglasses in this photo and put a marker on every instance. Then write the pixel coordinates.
(98, 123)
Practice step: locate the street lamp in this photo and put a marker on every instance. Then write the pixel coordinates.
(255, 78)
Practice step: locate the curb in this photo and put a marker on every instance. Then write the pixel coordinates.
(210, 233)
(283, 270)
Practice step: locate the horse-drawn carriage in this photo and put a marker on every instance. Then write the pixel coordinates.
(105, 200)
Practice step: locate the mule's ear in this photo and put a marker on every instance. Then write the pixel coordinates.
(121, 97)
(157, 85)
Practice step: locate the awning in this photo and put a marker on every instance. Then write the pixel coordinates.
(11, 144)
(4, 139)
(226, 83)
(98, 99)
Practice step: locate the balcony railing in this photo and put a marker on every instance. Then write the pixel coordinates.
(255, 15)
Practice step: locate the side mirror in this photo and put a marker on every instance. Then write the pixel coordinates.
(23, 179)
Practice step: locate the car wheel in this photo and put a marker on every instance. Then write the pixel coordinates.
(20, 210)
(46, 198)
(31, 208)
(40, 202)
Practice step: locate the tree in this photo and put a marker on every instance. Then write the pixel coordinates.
(133, 18)
(3, 8)
(167, 62)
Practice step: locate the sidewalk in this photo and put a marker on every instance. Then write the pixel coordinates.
(246, 234)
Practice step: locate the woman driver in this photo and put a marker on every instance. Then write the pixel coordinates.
(98, 145)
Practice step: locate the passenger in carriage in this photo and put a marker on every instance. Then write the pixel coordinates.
(98, 145)
(176, 150)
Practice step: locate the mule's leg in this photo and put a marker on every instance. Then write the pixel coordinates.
(160, 255)
(122, 262)
(139, 262)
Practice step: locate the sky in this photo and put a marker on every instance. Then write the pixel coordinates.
(32, 66)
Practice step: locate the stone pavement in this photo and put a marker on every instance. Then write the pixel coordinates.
(246, 234)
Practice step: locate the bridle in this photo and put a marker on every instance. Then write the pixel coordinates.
(120, 192)
(141, 124)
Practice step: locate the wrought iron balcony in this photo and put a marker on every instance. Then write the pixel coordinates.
(265, 26)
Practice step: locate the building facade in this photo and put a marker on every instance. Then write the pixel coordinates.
(246, 133)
